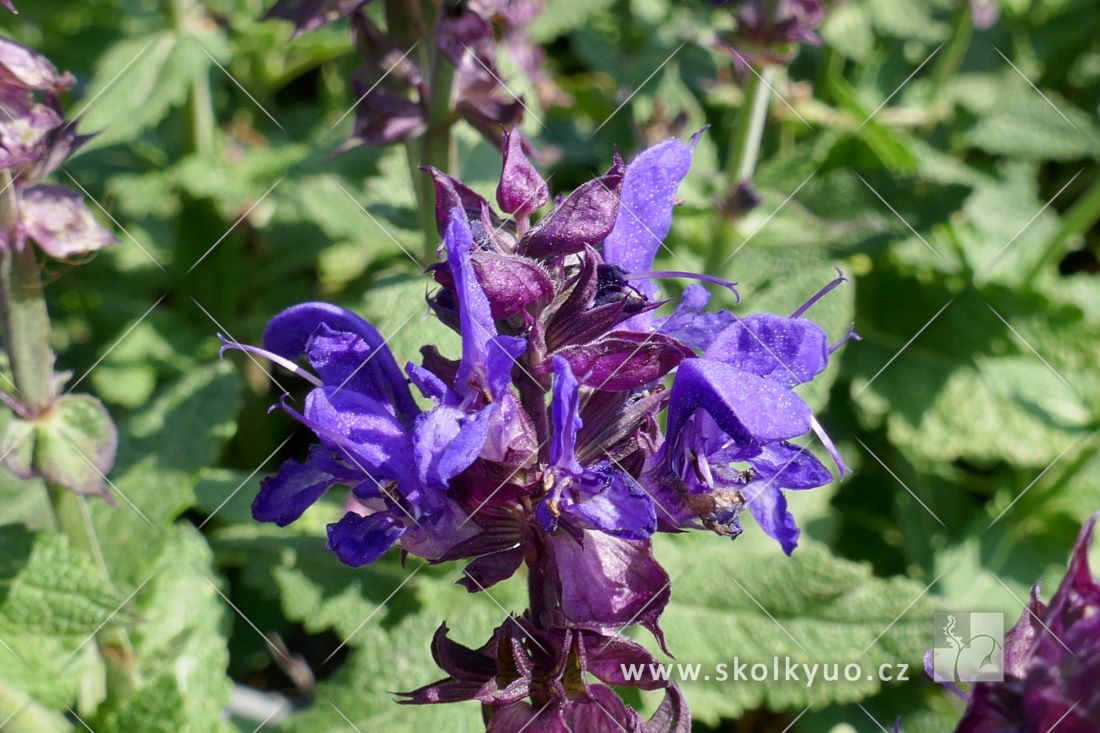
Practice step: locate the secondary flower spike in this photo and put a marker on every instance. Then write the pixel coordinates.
(541, 444)
(35, 140)
(395, 95)
(1051, 662)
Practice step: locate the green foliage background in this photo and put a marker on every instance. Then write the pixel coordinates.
(951, 171)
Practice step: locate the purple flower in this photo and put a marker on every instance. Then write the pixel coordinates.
(34, 141)
(309, 15)
(21, 68)
(768, 32)
(601, 497)
(394, 95)
(555, 680)
(522, 191)
(543, 446)
(60, 223)
(731, 417)
(1051, 661)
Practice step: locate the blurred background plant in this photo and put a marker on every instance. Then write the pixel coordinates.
(943, 153)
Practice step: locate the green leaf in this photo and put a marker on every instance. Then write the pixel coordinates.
(180, 645)
(968, 387)
(138, 81)
(46, 587)
(1025, 125)
(563, 16)
(847, 29)
(396, 306)
(52, 599)
(164, 447)
(385, 661)
(747, 602)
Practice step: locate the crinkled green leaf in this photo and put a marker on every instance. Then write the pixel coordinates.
(1025, 125)
(52, 600)
(968, 387)
(746, 601)
(47, 587)
(180, 646)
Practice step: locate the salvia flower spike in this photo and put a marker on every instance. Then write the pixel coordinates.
(1051, 660)
(35, 140)
(541, 444)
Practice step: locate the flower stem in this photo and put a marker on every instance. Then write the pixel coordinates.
(26, 327)
(23, 314)
(412, 22)
(954, 51)
(744, 149)
(74, 520)
(200, 124)
(1078, 219)
(749, 129)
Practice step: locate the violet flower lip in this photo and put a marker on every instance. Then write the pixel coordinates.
(541, 446)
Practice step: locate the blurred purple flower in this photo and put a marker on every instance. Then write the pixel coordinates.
(394, 94)
(769, 31)
(34, 141)
(1051, 662)
(552, 680)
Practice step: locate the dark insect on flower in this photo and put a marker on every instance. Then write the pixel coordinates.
(542, 446)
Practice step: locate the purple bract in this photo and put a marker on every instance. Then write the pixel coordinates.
(1051, 661)
(540, 445)
(34, 141)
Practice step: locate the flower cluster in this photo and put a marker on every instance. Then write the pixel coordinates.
(541, 445)
(769, 31)
(395, 87)
(35, 140)
(1051, 661)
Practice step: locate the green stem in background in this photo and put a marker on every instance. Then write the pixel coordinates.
(953, 52)
(23, 312)
(749, 129)
(200, 106)
(1080, 217)
(744, 149)
(74, 520)
(412, 22)
(200, 117)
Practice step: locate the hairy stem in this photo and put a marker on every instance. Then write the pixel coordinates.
(412, 22)
(75, 521)
(23, 314)
(26, 327)
(200, 125)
